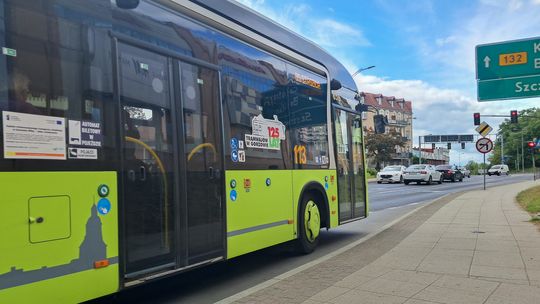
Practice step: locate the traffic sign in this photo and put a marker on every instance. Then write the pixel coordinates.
(509, 69)
(484, 128)
(448, 138)
(484, 145)
(509, 88)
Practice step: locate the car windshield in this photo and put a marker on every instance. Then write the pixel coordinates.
(496, 167)
(443, 167)
(416, 167)
(392, 168)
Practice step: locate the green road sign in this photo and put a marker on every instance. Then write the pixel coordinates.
(508, 59)
(508, 70)
(509, 88)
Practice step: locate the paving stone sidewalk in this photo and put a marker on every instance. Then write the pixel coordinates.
(477, 247)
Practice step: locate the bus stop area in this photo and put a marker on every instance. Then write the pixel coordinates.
(470, 247)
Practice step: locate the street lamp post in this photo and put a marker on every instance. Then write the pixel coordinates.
(362, 69)
(459, 158)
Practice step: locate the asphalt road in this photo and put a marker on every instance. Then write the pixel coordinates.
(384, 196)
(213, 283)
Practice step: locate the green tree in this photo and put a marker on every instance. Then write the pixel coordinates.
(381, 147)
(528, 127)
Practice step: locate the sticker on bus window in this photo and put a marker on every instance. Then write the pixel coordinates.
(29, 136)
(266, 133)
(84, 133)
(82, 153)
(242, 156)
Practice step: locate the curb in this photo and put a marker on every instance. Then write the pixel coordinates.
(319, 260)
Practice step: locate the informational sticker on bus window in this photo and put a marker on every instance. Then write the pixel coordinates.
(85, 133)
(267, 127)
(242, 156)
(82, 153)
(28, 136)
(266, 133)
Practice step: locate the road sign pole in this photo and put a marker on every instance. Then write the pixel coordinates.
(484, 171)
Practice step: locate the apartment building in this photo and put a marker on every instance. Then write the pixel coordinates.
(399, 114)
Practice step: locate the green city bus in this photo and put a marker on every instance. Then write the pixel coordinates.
(145, 138)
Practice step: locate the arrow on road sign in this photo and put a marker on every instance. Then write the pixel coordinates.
(486, 61)
(484, 145)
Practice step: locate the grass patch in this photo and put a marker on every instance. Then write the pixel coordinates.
(530, 201)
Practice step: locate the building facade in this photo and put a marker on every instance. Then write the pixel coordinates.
(399, 113)
(437, 156)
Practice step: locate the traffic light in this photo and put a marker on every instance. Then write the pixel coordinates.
(514, 116)
(476, 117)
(379, 122)
(531, 144)
(462, 145)
(449, 146)
(433, 146)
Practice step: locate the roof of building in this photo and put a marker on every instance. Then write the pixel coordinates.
(386, 102)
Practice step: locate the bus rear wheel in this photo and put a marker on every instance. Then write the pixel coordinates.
(309, 224)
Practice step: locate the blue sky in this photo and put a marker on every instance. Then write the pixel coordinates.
(423, 50)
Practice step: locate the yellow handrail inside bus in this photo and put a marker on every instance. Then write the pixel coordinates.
(201, 146)
(164, 174)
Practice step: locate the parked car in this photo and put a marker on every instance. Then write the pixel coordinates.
(498, 170)
(451, 173)
(466, 172)
(422, 173)
(391, 174)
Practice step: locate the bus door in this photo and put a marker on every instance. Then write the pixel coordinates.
(201, 162)
(350, 164)
(172, 165)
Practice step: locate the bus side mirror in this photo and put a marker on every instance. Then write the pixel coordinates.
(361, 107)
(335, 84)
(127, 4)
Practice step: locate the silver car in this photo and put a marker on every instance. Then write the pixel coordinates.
(422, 173)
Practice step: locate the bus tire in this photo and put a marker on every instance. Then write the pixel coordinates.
(309, 224)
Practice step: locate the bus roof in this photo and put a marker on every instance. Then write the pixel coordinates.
(281, 35)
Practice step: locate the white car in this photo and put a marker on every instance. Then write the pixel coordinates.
(391, 174)
(422, 173)
(498, 170)
(466, 172)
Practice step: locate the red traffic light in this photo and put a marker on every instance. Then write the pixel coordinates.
(531, 144)
(514, 116)
(476, 117)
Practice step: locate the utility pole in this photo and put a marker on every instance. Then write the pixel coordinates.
(502, 149)
(534, 165)
(420, 149)
(522, 154)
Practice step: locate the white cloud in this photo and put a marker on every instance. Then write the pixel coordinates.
(439, 110)
(493, 21)
(327, 32)
(301, 19)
